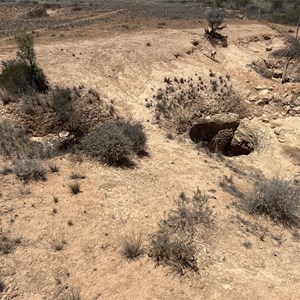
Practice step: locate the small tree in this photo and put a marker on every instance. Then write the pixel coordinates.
(290, 51)
(23, 74)
(25, 44)
(215, 19)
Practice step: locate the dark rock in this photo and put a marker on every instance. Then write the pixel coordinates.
(207, 129)
(220, 141)
(244, 140)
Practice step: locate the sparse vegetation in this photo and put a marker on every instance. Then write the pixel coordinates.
(58, 244)
(275, 198)
(54, 168)
(38, 12)
(2, 286)
(8, 244)
(75, 188)
(215, 18)
(71, 294)
(6, 170)
(29, 169)
(62, 103)
(13, 141)
(76, 176)
(132, 245)
(174, 245)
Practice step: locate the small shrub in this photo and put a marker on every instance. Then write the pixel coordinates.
(135, 132)
(2, 286)
(169, 136)
(76, 7)
(215, 18)
(58, 244)
(75, 188)
(132, 245)
(38, 12)
(29, 169)
(8, 244)
(54, 168)
(177, 253)
(276, 198)
(23, 75)
(71, 294)
(76, 176)
(108, 144)
(20, 78)
(266, 73)
(173, 245)
(61, 103)
(6, 170)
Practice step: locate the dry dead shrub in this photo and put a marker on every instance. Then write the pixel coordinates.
(132, 245)
(112, 143)
(275, 198)
(29, 169)
(174, 243)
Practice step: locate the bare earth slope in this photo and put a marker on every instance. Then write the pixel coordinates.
(117, 62)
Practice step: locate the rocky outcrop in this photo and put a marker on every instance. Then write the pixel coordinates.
(220, 141)
(224, 133)
(206, 129)
(244, 140)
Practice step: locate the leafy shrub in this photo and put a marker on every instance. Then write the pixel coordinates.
(265, 72)
(113, 142)
(19, 78)
(276, 198)
(22, 75)
(29, 169)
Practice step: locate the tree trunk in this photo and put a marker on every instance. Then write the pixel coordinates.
(285, 69)
(298, 28)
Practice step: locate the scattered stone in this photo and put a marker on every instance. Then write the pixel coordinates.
(265, 120)
(277, 74)
(260, 102)
(267, 37)
(268, 49)
(260, 87)
(277, 97)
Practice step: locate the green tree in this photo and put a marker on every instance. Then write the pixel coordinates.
(25, 44)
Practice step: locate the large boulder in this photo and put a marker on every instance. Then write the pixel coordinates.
(206, 129)
(244, 140)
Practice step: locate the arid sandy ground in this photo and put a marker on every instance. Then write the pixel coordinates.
(114, 59)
